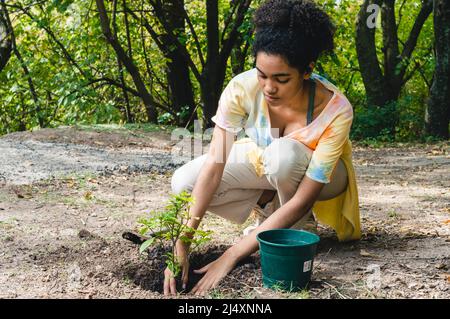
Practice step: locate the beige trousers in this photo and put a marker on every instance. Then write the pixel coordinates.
(285, 162)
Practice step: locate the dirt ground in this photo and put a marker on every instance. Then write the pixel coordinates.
(61, 237)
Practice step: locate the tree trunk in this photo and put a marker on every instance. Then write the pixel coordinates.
(209, 85)
(182, 93)
(239, 55)
(126, 109)
(372, 75)
(385, 86)
(5, 38)
(391, 51)
(437, 119)
(212, 75)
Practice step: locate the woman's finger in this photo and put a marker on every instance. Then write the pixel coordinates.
(173, 286)
(185, 277)
(198, 285)
(202, 270)
(202, 289)
(166, 285)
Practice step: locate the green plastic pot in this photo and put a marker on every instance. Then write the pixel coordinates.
(287, 257)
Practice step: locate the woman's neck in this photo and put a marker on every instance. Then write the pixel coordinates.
(299, 102)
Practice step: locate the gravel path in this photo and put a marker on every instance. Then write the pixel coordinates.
(24, 162)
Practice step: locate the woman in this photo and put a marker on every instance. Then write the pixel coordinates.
(297, 156)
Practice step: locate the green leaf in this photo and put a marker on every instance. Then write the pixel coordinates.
(15, 88)
(146, 244)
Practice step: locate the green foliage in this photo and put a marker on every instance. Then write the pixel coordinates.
(171, 225)
(370, 122)
(67, 94)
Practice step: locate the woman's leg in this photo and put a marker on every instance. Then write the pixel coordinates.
(286, 161)
(239, 189)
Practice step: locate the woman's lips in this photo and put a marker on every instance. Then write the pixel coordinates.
(270, 98)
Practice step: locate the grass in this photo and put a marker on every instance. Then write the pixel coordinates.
(6, 197)
(290, 294)
(78, 179)
(127, 128)
(393, 214)
(9, 223)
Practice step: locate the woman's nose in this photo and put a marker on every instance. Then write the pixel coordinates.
(270, 88)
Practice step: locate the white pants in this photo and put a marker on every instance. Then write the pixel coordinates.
(285, 161)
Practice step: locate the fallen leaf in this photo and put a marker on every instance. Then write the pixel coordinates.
(88, 195)
(446, 221)
(365, 253)
(441, 266)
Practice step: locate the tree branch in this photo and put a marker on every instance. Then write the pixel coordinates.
(236, 4)
(194, 34)
(400, 13)
(52, 35)
(390, 38)
(230, 41)
(174, 40)
(417, 67)
(425, 11)
(148, 100)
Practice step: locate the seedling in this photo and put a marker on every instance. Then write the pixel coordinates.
(171, 225)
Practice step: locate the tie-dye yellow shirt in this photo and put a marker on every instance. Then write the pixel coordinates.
(242, 106)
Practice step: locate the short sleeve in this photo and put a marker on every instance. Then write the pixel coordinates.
(330, 147)
(231, 114)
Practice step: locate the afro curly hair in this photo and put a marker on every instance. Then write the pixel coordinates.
(298, 30)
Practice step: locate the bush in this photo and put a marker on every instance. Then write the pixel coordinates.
(374, 122)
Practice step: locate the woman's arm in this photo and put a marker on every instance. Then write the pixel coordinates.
(284, 217)
(206, 185)
(210, 174)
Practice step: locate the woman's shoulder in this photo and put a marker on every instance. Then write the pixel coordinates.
(339, 103)
(246, 76)
(246, 81)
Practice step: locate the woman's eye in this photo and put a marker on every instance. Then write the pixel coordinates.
(285, 81)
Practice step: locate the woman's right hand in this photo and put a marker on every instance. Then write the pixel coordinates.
(170, 283)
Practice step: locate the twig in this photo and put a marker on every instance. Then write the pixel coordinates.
(402, 273)
(335, 289)
(323, 257)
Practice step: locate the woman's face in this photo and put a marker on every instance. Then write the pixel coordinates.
(280, 83)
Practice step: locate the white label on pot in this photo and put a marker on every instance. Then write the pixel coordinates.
(307, 265)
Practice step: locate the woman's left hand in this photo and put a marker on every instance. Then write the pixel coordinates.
(214, 273)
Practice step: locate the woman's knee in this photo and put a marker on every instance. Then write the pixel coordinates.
(183, 179)
(185, 176)
(179, 181)
(285, 158)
